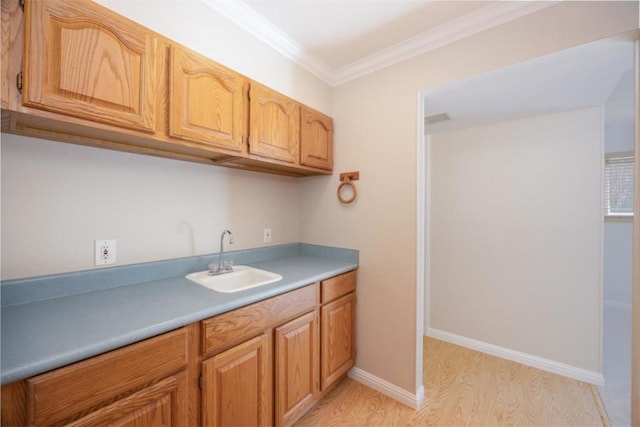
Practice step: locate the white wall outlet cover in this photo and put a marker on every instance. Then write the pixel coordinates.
(267, 235)
(105, 252)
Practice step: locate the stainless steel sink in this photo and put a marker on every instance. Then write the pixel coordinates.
(242, 277)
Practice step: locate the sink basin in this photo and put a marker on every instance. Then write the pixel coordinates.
(243, 277)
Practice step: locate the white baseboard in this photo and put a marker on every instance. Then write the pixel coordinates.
(391, 390)
(523, 358)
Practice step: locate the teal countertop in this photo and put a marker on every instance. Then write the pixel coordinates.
(43, 334)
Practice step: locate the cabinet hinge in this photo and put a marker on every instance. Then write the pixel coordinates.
(200, 382)
(248, 141)
(21, 3)
(19, 81)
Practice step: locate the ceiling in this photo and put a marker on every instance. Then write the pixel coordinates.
(594, 74)
(342, 40)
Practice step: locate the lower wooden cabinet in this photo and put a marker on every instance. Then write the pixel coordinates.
(338, 343)
(338, 313)
(262, 364)
(236, 385)
(248, 349)
(144, 384)
(297, 367)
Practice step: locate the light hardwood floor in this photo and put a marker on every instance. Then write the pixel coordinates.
(465, 387)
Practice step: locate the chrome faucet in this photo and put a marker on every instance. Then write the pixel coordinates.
(221, 268)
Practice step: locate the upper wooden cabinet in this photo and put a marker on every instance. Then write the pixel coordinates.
(316, 139)
(274, 125)
(74, 71)
(208, 102)
(81, 60)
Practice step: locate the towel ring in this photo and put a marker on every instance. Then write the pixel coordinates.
(347, 180)
(353, 187)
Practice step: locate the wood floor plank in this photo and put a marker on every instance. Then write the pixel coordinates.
(466, 388)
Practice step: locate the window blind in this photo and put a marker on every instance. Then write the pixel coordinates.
(618, 188)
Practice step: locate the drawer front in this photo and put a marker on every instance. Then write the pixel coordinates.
(338, 286)
(58, 395)
(224, 331)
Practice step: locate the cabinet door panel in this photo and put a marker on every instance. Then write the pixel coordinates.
(237, 386)
(338, 340)
(91, 64)
(156, 405)
(297, 366)
(316, 139)
(275, 125)
(207, 101)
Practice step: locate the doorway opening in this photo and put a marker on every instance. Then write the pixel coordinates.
(525, 294)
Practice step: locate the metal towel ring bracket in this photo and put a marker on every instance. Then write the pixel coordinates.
(346, 179)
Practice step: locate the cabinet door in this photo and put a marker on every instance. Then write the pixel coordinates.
(236, 386)
(338, 338)
(274, 125)
(207, 102)
(297, 366)
(82, 60)
(316, 139)
(155, 405)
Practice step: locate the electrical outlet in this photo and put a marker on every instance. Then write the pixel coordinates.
(267, 235)
(105, 252)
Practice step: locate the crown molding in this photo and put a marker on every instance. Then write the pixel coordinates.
(490, 16)
(254, 23)
(487, 17)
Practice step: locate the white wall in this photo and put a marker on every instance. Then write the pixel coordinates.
(618, 138)
(58, 198)
(617, 262)
(515, 243)
(376, 133)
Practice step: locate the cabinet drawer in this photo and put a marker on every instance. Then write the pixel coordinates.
(56, 396)
(226, 330)
(338, 286)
